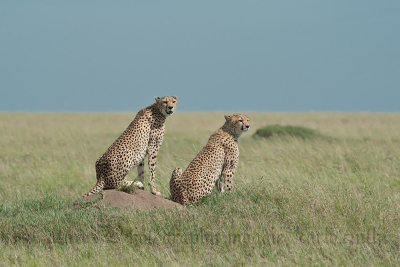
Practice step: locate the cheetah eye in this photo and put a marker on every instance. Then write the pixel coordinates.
(241, 120)
(173, 101)
(165, 102)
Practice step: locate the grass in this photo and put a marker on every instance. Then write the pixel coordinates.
(128, 188)
(287, 130)
(295, 201)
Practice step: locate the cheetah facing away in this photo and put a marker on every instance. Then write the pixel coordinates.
(214, 165)
(143, 136)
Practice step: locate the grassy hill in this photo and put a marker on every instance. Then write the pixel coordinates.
(295, 200)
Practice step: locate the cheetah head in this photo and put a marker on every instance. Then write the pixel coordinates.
(167, 104)
(239, 123)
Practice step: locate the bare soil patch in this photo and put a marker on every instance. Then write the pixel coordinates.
(138, 199)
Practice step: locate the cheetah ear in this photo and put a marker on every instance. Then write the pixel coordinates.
(227, 117)
(157, 98)
(175, 97)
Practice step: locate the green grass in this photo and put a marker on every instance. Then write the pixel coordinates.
(128, 188)
(295, 201)
(287, 130)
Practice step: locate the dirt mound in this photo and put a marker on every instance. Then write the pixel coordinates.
(138, 199)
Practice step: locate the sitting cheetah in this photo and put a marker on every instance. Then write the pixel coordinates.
(142, 137)
(215, 164)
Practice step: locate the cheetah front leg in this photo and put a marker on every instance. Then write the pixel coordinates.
(152, 152)
(220, 184)
(140, 170)
(225, 181)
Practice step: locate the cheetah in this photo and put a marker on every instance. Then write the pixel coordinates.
(143, 136)
(215, 164)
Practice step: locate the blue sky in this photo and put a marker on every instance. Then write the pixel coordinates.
(214, 55)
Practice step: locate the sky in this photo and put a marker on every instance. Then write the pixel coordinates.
(248, 55)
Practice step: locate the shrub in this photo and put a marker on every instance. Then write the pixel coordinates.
(288, 130)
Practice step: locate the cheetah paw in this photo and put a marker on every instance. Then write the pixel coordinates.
(156, 193)
(139, 184)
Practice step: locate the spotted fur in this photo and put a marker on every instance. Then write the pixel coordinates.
(143, 137)
(214, 165)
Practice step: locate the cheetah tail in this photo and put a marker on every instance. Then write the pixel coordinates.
(97, 188)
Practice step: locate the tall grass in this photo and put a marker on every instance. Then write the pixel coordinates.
(295, 201)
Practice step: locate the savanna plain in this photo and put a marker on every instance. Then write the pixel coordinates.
(329, 199)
